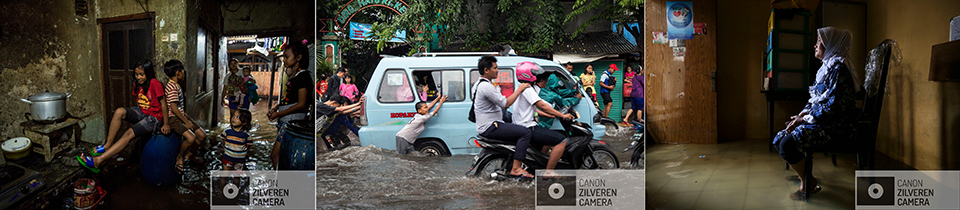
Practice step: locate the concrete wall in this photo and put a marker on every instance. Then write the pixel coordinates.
(270, 18)
(45, 46)
(920, 120)
(741, 108)
(170, 18)
(920, 123)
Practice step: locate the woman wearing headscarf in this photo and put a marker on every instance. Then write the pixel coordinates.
(830, 112)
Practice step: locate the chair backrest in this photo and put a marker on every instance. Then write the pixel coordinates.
(878, 62)
(876, 79)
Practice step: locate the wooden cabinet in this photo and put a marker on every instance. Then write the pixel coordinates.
(789, 49)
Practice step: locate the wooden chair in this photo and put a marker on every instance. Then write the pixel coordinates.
(863, 142)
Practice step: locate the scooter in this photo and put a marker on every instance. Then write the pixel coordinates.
(637, 145)
(582, 152)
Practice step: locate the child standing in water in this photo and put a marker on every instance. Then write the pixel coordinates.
(236, 142)
(179, 121)
(233, 85)
(151, 103)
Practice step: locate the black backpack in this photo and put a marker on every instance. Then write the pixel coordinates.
(611, 81)
(507, 116)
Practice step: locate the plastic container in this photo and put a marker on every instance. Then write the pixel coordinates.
(86, 194)
(955, 28)
(159, 159)
(16, 148)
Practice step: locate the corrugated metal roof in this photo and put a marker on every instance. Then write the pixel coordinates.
(604, 42)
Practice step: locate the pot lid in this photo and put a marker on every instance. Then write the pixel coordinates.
(16, 144)
(47, 96)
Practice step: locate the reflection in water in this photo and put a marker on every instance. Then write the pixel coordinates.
(369, 177)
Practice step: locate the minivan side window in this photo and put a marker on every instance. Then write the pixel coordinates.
(430, 84)
(395, 87)
(504, 80)
(568, 83)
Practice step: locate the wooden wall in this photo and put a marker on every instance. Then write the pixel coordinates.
(681, 104)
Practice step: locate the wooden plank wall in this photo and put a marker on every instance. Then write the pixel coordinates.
(680, 103)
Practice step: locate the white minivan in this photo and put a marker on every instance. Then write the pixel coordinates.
(398, 83)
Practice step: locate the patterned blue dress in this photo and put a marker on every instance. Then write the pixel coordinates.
(834, 115)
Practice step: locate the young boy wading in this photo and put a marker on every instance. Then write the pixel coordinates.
(409, 133)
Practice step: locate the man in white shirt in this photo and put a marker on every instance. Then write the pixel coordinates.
(488, 106)
(529, 103)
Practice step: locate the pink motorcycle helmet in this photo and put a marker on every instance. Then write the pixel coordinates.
(528, 71)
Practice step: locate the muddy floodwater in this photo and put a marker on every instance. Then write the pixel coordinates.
(370, 177)
(126, 188)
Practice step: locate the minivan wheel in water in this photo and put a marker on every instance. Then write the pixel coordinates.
(432, 147)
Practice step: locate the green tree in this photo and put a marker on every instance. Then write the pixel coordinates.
(529, 26)
(623, 10)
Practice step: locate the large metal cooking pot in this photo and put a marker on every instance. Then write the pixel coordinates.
(47, 106)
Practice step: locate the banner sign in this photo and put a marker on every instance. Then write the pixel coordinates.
(679, 20)
(360, 31)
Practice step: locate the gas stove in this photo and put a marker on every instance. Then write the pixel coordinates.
(16, 183)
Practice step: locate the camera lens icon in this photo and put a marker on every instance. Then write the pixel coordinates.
(555, 190)
(230, 191)
(875, 191)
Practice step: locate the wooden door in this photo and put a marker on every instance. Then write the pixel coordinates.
(681, 100)
(123, 42)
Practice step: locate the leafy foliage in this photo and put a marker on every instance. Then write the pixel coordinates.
(529, 26)
(623, 10)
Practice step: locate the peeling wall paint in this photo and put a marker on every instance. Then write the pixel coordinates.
(48, 49)
(170, 18)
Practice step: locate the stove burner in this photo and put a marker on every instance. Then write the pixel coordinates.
(31, 122)
(9, 173)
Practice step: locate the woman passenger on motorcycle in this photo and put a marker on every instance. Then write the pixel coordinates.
(528, 103)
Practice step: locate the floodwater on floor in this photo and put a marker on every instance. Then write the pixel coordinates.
(370, 177)
(126, 188)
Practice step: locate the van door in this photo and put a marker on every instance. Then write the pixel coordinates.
(392, 108)
(450, 124)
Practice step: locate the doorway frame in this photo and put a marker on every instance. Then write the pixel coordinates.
(104, 66)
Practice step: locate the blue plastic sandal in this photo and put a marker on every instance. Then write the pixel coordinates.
(97, 151)
(87, 162)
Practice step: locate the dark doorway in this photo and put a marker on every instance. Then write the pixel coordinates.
(123, 41)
